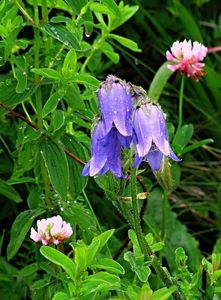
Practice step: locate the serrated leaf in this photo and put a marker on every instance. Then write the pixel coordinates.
(57, 166)
(9, 192)
(20, 228)
(59, 259)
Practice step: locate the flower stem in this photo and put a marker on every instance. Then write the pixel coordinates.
(145, 248)
(164, 214)
(180, 115)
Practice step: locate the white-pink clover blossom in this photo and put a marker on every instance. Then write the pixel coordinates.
(51, 231)
(187, 58)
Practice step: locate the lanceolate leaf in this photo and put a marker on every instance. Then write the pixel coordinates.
(59, 259)
(57, 166)
(77, 182)
(9, 192)
(158, 83)
(19, 229)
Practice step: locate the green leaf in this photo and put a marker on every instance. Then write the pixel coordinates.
(108, 50)
(9, 192)
(92, 251)
(49, 73)
(70, 64)
(51, 104)
(86, 79)
(9, 95)
(158, 83)
(80, 257)
(197, 145)
(57, 166)
(136, 247)
(164, 293)
(109, 265)
(176, 233)
(213, 81)
(77, 182)
(183, 137)
(62, 34)
(76, 5)
(21, 77)
(73, 97)
(104, 237)
(20, 228)
(189, 23)
(61, 296)
(100, 282)
(112, 6)
(138, 266)
(29, 270)
(57, 119)
(59, 259)
(125, 42)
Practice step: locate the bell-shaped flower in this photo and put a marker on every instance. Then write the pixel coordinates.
(187, 58)
(150, 136)
(51, 231)
(106, 151)
(116, 105)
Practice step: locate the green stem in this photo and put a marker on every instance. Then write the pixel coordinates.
(38, 102)
(25, 13)
(145, 248)
(164, 214)
(180, 115)
(95, 217)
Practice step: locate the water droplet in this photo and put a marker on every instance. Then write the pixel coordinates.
(87, 34)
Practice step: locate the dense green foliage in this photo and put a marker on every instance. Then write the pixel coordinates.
(54, 55)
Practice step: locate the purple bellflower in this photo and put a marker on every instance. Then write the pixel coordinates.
(150, 136)
(116, 105)
(106, 151)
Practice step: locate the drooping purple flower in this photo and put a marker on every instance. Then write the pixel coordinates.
(106, 152)
(116, 105)
(150, 136)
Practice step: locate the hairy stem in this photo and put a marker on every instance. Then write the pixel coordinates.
(145, 248)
